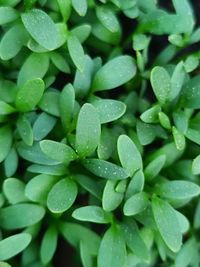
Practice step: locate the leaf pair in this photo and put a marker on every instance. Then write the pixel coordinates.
(167, 88)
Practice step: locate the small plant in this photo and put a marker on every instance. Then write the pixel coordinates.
(99, 133)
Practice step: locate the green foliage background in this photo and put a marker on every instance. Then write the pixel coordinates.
(99, 133)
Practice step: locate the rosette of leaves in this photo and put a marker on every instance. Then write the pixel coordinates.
(99, 133)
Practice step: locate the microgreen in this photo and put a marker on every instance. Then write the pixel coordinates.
(99, 133)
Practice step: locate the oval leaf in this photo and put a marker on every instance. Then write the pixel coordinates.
(114, 73)
(5, 142)
(76, 52)
(136, 204)
(29, 95)
(13, 245)
(80, 7)
(178, 189)
(105, 169)
(161, 84)
(111, 199)
(48, 246)
(109, 110)
(88, 130)
(196, 166)
(35, 66)
(14, 190)
(41, 27)
(91, 214)
(112, 251)
(167, 224)
(57, 151)
(31, 214)
(62, 196)
(129, 155)
(39, 186)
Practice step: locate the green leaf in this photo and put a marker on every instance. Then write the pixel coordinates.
(179, 138)
(91, 214)
(114, 73)
(88, 130)
(12, 42)
(29, 95)
(145, 132)
(35, 66)
(25, 130)
(136, 184)
(193, 135)
(80, 7)
(43, 126)
(82, 32)
(167, 224)
(13, 190)
(34, 154)
(161, 84)
(196, 165)
(164, 120)
(190, 96)
(129, 154)
(136, 204)
(178, 189)
(65, 9)
(56, 170)
(176, 39)
(109, 110)
(48, 245)
(112, 251)
(50, 103)
(134, 240)
(82, 80)
(191, 63)
(104, 35)
(151, 114)
(60, 62)
(39, 186)
(62, 195)
(108, 18)
(183, 222)
(106, 145)
(76, 52)
(184, 8)
(86, 256)
(140, 42)
(160, 22)
(13, 245)
(57, 151)
(5, 142)
(41, 27)
(4, 264)
(31, 214)
(8, 91)
(154, 167)
(66, 105)
(6, 109)
(11, 162)
(186, 254)
(7, 14)
(177, 81)
(111, 198)
(105, 169)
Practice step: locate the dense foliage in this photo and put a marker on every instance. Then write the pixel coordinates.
(99, 133)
